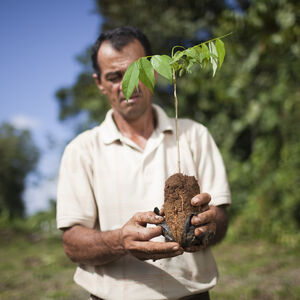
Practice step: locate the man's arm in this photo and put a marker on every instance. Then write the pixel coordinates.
(89, 246)
(93, 247)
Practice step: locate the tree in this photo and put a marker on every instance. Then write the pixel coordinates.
(174, 22)
(252, 107)
(18, 157)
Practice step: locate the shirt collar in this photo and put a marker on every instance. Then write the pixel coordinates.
(110, 132)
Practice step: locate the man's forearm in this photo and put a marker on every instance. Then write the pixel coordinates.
(92, 247)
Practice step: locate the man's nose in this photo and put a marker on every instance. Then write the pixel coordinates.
(120, 85)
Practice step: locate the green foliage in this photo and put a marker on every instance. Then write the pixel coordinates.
(42, 223)
(131, 78)
(18, 157)
(146, 74)
(182, 61)
(252, 107)
(161, 64)
(220, 51)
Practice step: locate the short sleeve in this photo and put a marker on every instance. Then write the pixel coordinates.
(75, 195)
(211, 170)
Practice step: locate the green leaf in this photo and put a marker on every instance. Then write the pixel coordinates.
(203, 54)
(161, 63)
(200, 56)
(179, 61)
(205, 50)
(130, 79)
(181, 72)
(221, 51)
(213, 60)
(191, 63)
(146, 74)
(191, 52)
(177, 56)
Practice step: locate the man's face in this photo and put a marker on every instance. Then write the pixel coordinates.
(113, 65)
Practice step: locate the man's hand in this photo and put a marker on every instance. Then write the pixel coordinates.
(135, 238)
(211, 220)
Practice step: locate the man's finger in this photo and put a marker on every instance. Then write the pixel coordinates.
(200, 230)
(162, 211)
(155, 247)
(204, 208)
(146, 234)
(201, 199)
(203, 218)
(147, 217)
(155, 256)
(193, 248)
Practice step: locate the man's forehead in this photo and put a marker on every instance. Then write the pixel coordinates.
(106, 49)
(108, 56)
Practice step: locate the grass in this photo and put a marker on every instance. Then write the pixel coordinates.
(33, 266)
(257, 270)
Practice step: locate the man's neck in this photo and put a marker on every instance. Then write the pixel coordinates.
(138, 130)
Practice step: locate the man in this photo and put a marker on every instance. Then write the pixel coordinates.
(111, 178)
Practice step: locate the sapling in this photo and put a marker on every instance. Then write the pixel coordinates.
(177, 208)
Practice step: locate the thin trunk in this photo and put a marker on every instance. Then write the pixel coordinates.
(176, 122)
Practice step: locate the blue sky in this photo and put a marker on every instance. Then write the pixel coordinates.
(39, 43)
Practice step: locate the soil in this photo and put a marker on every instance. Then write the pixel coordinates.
(179, 191)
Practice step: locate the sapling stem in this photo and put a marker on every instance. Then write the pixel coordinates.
(176, 121)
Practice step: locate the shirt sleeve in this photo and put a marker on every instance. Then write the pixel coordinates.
(211, 170)
(75, 195)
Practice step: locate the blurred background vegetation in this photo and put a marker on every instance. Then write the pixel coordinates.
(251, 107)
(18, 157)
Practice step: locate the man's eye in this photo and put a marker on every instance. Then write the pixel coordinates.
(114, 79)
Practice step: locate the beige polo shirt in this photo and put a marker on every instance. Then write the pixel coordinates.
(105, 178)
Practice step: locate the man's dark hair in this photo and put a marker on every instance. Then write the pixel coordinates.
(119, 38)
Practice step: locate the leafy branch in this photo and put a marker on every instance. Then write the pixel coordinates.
(181, 61)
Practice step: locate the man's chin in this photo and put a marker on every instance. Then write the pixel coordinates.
(132, 112)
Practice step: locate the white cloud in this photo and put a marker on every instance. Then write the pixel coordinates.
(24, 122)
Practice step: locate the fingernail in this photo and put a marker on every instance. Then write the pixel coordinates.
(158, 218)
(175, 248)
(199, 231)
(194, 201)
(196, 220)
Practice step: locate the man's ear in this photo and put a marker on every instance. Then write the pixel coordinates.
(98, 83)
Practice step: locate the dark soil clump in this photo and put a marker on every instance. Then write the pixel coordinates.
(179, 191)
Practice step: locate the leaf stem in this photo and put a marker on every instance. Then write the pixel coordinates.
(214, 39)
(206, 42)
(176, 121)
(177, 46)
